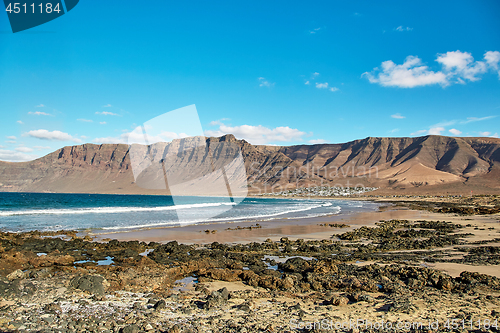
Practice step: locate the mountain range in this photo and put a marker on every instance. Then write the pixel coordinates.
(420, 165)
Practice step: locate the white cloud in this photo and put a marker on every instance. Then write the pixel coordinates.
(24, 149)
(41, 147)
(484, 133)
(20, 122)
(461, 65)
(265, 83)
(315, 74)
(85, 120)
(455, 131)
(11, 137)
(457, 67)
(492, 58)
(102, 122)
(107, 106)
(325, 86)
(401, 28)
(106, 113)
(259, 134)
(40, 106)
(313, 31)
(436, 130)
(398, 116)
(39, 113)
(412, 73)
(394, 130)
(307, 82)
(317, 141)
(44, 134)
(15, 156)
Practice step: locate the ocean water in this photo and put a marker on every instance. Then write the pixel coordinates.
(55, 211)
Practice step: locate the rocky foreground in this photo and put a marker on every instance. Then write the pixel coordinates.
(360, 280)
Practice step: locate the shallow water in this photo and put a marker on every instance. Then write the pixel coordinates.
(54, 211)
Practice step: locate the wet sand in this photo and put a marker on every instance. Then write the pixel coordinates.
(305, 228)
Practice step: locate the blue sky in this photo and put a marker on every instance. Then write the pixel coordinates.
(279, 72)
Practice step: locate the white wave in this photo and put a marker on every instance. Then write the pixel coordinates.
(248, 217)
(112, 210)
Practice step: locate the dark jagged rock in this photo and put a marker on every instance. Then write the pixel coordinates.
(90, 283)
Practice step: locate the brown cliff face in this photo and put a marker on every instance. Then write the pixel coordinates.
(419, 165)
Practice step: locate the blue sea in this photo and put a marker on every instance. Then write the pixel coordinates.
(55, 211)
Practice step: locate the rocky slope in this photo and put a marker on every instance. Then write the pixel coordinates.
(422, 165)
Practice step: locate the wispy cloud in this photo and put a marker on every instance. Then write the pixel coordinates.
(316, 141)
(490, 134)
(313, 31)
(20, 122)
(102, 122)
(41, 147)
(265, 83)
(419, 132)
(401, 28)
(16, 156)
(398, 116)
(44, 134)
(85, 120)
(39, 113)
(106, 113)
(218, 122)
(307, 83)
(107, 106)
(138, 137)
(456, 67)
(11, 137)
(24, 149)
(436, 130)
(474, 119)
(40, 106)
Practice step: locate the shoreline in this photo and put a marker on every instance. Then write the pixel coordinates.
(403, 262)
(294, 228)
